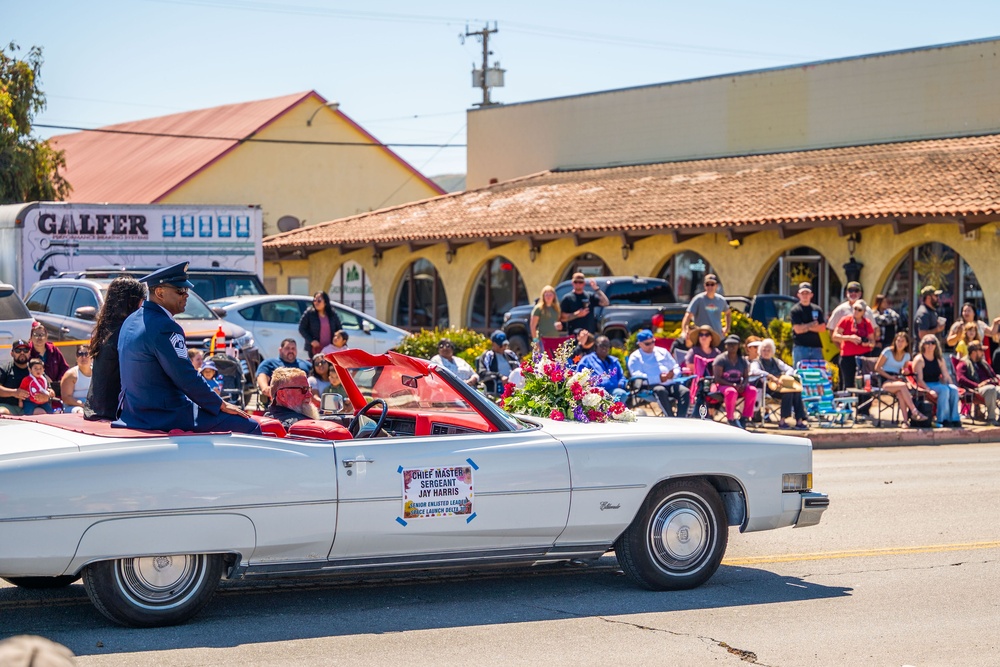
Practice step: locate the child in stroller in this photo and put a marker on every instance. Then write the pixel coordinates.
(230, 371)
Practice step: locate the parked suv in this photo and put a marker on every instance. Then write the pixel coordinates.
(68, 307)
(632, 303)
(210, 284)
(15, 320)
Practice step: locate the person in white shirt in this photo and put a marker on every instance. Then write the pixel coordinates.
(654, 366)
(457, 365)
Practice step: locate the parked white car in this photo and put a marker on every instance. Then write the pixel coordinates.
(15, 320)
(427, 474)
(272, 318)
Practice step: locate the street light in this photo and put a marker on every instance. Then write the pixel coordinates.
(332, 105)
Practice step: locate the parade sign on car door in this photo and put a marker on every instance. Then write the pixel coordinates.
(437, 492)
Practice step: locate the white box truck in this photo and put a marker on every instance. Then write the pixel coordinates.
(40, 240)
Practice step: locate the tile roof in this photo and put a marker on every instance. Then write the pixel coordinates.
(941, 177)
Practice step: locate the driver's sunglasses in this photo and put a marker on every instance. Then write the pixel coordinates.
(304, 390)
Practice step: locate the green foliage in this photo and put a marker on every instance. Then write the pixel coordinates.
(743, 326)
(469, 344)
(781, 332)
(29, 168)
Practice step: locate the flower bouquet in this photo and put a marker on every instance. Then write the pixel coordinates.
(554, 389)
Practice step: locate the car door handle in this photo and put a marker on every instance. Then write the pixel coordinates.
(266, 332)
(64, 329)
(350, 462)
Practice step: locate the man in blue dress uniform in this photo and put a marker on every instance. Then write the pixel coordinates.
(161, 390)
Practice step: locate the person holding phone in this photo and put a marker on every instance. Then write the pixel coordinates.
(578, 306)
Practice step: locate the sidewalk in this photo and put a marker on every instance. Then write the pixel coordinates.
(866, 435)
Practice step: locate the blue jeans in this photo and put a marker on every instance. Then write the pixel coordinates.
(799, 353)
(947, 401)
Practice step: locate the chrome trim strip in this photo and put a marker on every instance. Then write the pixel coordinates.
(609, 487)
(170, 512)
(448, 559)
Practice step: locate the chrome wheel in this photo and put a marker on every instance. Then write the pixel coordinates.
(679, 534)
(161, 582)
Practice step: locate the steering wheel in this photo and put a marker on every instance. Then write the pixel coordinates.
(364, 411)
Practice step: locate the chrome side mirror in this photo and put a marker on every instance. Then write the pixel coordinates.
(333, 403)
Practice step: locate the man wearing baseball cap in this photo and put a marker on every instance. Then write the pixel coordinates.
(853, 292)
(708, 307)
(807, 324)
(579, 306)
(11, 375)
(161, 390)
(926, 320)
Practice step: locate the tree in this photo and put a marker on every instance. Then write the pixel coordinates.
(29, 167)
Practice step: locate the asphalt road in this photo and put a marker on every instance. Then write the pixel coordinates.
(902, 571)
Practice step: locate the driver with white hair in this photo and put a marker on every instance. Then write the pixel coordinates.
(292, 397)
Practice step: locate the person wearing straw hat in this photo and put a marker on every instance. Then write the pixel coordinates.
(703, 342)
(781, 384)
(732, 378)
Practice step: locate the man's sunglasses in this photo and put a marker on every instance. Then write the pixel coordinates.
(21, 350)
(711, 284)
(304, 390)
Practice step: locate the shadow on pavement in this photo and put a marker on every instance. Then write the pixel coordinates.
(260, 612)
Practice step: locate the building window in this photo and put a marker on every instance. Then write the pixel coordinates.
(685, 272)
(807, 265)
(299, 286)
(421, 302)
(498, 289)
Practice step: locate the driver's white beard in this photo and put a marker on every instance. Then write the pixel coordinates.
(307, 409)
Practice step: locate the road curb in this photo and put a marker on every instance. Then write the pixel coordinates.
(848, 438)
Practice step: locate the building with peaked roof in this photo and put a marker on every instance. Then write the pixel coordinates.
(766, 178)
(295, 155)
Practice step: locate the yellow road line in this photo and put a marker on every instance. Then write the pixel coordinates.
(865, 553)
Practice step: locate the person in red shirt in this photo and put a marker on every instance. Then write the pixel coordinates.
(40, 394)
(856, 338)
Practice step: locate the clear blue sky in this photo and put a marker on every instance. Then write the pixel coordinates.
(401, 71)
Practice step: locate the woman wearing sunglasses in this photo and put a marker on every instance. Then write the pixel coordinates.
(76, 382)
(931, 373)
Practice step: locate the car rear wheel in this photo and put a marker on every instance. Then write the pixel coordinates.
(153, 591)
(678, 538)
(38, 583)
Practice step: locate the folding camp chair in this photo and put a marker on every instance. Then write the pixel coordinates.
(881, 401)
(828, 408)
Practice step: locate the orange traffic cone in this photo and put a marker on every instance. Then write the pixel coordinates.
(219, 342)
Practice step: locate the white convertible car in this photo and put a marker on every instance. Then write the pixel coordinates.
(427, 474)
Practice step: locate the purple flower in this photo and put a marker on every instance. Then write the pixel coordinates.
(579, 415)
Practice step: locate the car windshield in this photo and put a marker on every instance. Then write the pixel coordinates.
(405, 383)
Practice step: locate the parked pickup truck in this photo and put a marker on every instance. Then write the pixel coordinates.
(633, 302)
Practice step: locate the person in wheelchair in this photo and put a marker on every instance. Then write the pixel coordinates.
(731, 373)
(780, 384)
(494, 365)
(651, 368)
(291, 397)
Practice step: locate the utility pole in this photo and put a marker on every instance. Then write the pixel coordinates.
(487, 77)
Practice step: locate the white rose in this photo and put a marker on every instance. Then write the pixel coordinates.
(591, 400)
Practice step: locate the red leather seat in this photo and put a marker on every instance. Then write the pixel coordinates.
(312, 428)
(270, 426)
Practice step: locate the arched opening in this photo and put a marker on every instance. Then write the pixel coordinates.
(806, 265)
(589, 265)
(685, 272)
(498, 289)
(421, 302)
(938, 265)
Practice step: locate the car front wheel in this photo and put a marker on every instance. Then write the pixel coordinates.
(153, 591)
(678, 538)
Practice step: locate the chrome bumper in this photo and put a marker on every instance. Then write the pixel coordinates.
(812, 508)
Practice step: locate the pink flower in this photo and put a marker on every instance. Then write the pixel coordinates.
(508, 389)
(595, 415)
(527, 368)
(557, 415)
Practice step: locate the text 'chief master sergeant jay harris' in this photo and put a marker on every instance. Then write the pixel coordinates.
(161, 390)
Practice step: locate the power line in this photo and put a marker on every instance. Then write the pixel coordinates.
(248, 139)
(511, 26)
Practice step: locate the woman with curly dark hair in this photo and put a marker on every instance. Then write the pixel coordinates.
(124, 296)
(318, 324)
